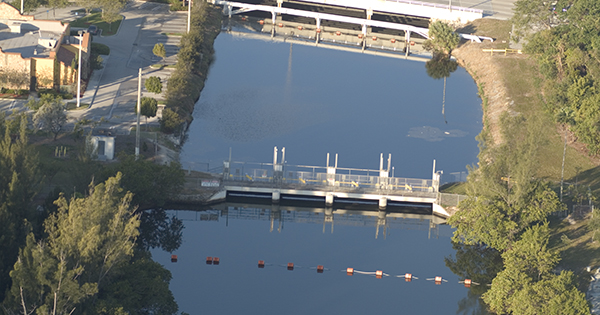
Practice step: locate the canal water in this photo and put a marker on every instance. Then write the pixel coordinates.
(314, 101)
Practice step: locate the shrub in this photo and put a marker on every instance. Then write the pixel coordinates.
(153, 84)
(100, 49)
(96, 62)
(170, 121)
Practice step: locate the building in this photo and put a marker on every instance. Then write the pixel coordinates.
(39, 53)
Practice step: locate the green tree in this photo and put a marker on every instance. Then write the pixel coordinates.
(527, 284)
(159, 50)
(45, 98)
(153, 84)
(111, 11)
(148, 108)
(54, 4)
(504, 198)
(442, 38)
(51, 117)
(19, 181)
(88, 239)
(170, 121)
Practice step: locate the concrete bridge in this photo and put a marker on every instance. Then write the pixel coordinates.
(231, 8)
(330, 185)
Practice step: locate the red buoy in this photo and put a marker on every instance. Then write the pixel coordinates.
(243, 18)
(261, 22)
(393, 40)
(216, 260)
(209, 260)
(408, 277)
(299, 27)
(360, 36)
(412, 43)
(173, 258)
(280, 24)
(467, 283)
(374, 37)
(338, 33)
(320, 269)
(349, 271)
(290, 266)
(261, 264)
(378, 274)
(438, 280)
(318, 30)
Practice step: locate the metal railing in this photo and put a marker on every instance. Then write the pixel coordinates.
(317, 176)
(437, 6)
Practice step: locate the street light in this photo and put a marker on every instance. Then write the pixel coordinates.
(79, 70)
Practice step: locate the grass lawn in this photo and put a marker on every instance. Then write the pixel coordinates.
(96, 19)
(73, 106)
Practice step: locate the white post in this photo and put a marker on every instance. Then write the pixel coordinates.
(79, 70)
(22, 6)
(189, 15)
(139, 110)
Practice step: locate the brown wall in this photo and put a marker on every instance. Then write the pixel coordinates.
(9, 12)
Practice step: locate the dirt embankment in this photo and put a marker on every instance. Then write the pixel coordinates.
(486, 72)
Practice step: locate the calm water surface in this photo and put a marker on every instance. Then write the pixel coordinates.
(313, 101)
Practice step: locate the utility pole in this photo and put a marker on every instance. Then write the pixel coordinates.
(189, 15)
(78, 69)
(139, 109)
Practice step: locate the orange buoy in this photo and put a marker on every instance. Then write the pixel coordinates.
(438, 280)
(243, 18)
(173, 258)
(216, 260)
(360, 36)
(209, 260)
(412, 43)
(261, 22)
(280, 24)
(393, 40)
(290, 266)
(299, 27)
(467, 283)
(408, 277)
(261, 264)
(378, 274)
(338, 33)
(349, 271)
(374, 37)
(318, 30)
(320, 269)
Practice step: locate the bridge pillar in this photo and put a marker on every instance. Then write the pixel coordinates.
(382, 203)
(275, 196)
(226, 170)
(329, 199)
(407, 42)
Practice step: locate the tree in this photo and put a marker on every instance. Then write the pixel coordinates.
(45, 98)
(170, 121)
(54, 4)
(159, 51)
(19, 180)
(442, 39)
(530, 15)
(14, 78)
(148, 108)
(504, 198)
(528, 286)
(111, 11)
(153, 84)
(88, 239)
(51, 117)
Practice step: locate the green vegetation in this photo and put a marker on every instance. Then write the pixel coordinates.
(82, 251)
(154, 85)
(159, 50)
(193, 61)
(102, 24)
(100, 49)
(148, 107)
(51, 117)
(568, 55)
(442, 40)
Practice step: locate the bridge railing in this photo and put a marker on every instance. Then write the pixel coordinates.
(437, 6)
(318, 176)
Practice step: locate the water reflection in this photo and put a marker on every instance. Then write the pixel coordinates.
(407, 217)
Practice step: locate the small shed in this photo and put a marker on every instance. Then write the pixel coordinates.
(104, 147)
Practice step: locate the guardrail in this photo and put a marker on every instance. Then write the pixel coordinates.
(437, 6)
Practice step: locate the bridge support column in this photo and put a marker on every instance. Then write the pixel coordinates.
(275, 196)
(382, 203)
(318, 31)
(407, 42)
(329, 200)
(226, 170)
(364, 39)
